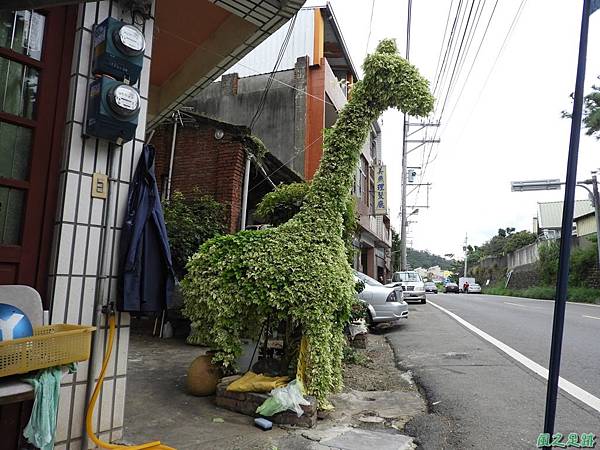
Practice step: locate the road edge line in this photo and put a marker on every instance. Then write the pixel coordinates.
(541, 300)
(572, 389)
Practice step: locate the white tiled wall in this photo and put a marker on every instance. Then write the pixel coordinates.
(76, 276)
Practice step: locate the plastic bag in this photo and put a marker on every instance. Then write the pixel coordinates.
(282, 399)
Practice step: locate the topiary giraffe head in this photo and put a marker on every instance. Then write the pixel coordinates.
(390, 81)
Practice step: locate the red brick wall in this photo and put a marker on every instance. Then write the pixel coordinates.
(216, 167)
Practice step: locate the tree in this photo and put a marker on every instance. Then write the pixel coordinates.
(504, 242)
(518, 240)
(474, 255)
(591, 115)
(424, 258)
(591, 112)
(456, 268)
(191, 221)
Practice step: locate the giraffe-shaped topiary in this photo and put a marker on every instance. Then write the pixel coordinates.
(299, 270)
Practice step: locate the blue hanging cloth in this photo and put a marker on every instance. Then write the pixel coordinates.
(146, 277)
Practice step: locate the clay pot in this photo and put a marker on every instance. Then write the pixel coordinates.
(203, 376)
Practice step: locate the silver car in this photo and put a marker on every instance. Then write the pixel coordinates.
(412, 284)
(385, 304)
(474, 289)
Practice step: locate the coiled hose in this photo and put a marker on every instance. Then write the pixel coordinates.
(156, 445)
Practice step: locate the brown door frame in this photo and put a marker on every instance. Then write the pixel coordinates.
(32, 256)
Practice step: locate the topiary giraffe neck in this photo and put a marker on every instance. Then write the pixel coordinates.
(341, 149)
(389, 81)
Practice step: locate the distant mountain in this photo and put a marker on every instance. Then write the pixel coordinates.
(425, 259)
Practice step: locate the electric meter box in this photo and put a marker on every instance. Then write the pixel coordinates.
(113, 110)
(118, 50)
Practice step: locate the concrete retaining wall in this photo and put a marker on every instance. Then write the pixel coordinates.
(523, 256)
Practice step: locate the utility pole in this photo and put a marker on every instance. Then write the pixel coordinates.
(403, 218)
(466, 253)
(405, 151)
(567, 225)
(597, 210)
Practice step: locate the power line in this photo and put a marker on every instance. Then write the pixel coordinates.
(473, 62)
(472, 32)
(462, 41)
(238, 62)
(506, 38)
(443, 40)
(449, 45)
(289, 161)
(263, 97)
(370, 27)
(457, 55)
(470, 38)
(448, 56)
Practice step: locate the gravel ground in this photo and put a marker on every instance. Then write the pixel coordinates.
(379, 373)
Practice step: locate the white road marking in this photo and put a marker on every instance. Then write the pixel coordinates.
(591, 317)
(567, 386)
(516, 304)
(542, 300)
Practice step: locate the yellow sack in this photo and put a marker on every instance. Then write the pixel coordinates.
(252, 382)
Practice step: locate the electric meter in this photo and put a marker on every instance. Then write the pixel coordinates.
(124, 101)
(118, 50)
(129, 40)
(113, 110)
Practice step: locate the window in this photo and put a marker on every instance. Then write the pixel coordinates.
(406, 276)
(21, 38)
(22, 32)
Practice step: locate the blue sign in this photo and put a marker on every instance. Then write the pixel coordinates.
(594, 6)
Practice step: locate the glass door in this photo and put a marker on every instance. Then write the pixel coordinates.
(31, 47)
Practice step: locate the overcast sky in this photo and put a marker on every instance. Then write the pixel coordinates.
(512, 131)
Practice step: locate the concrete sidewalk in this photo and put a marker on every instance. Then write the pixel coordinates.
(158, 408)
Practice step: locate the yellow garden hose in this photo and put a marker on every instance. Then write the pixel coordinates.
(156, 445)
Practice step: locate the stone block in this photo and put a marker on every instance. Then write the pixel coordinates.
(247, 402)
(359, 341)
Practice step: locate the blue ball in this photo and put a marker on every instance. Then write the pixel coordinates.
(14, 324)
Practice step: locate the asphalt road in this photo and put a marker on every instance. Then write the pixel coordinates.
(479, 396)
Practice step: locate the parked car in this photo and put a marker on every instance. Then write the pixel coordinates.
(412, 284)
(451, 287)
(430, 286)
(385, 304)
(474, 289)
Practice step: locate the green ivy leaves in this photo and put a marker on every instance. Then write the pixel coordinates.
(300, 270)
